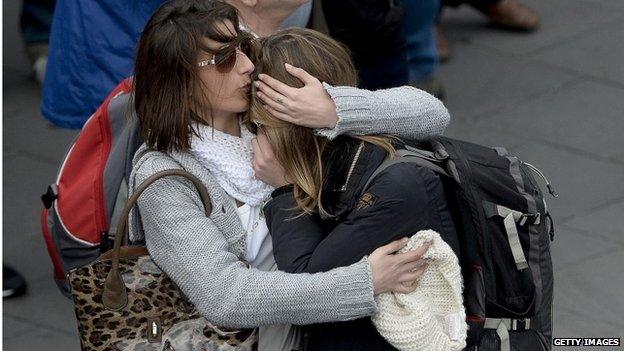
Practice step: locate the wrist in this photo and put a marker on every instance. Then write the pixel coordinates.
(376, 285)
(332, 111)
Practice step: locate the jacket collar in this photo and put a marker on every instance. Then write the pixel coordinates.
(339, 195)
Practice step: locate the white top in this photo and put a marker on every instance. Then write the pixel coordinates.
(259, 254)
(257, 236)
(230, 159)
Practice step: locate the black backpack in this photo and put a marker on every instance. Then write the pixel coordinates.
(504, 230)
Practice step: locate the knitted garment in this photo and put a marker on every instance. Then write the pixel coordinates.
(406, 112)
(230, 158)
(432, 317)
(201, 254)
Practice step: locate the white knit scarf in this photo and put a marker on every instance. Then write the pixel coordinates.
(229, 158)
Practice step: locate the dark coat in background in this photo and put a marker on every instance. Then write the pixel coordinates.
(371, 29)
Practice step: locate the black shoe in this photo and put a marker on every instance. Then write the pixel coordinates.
(13, 284)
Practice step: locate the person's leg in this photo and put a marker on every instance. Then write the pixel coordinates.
(386, 73)
(422, 54)
(35, 22)
(443, 46)
(13, 284)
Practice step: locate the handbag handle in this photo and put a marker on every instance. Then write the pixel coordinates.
(115, 296)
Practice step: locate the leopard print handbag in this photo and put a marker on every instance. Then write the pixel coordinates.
(123, 301)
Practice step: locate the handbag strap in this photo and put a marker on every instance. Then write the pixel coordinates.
(114, 296)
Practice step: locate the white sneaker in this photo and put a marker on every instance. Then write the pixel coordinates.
(40, 67)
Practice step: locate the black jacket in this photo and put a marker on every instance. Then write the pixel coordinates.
(371, 29)
(400, 201)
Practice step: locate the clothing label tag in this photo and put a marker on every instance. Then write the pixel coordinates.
(453, 325)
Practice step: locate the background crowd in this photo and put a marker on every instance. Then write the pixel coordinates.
(393, 43)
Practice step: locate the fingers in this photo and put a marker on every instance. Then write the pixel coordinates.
(412, 276)
(405, 289)
(276, 85)
(414, 255)
(409, 281)
(270, 97)
(301, 74)
(392, 247)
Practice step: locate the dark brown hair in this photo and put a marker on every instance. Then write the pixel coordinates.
(166, 73)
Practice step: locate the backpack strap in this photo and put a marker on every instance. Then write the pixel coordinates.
(423, 158)
(510, 218)
(502, 327)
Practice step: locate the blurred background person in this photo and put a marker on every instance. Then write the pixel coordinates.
(373, 32)
(13, 284)
(509, 15)
(299, 18)
(92, 46)
(422, 53)
(35, 22)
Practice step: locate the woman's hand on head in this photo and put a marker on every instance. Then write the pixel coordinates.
(397, 272)
(309, 106)
(266, 166)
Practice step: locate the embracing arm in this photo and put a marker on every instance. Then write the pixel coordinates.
(194, 253)
(406, 112)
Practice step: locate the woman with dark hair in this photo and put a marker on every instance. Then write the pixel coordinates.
(331, 215)
(191, 86)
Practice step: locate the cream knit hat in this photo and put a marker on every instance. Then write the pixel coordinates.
(431, 318)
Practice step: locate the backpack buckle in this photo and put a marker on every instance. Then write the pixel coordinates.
(441, 154)
(529, 218)
(50, 195)
(520, 324)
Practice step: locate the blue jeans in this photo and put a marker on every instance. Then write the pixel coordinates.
(422, 53)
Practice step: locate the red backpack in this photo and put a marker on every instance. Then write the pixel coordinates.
(79, 205)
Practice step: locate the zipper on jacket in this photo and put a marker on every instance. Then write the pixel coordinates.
(355, 159)
(551, 190)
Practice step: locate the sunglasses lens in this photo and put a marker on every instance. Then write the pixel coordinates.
(224, 61)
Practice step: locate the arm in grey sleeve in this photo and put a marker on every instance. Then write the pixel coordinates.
(405, 111)
(187, 245)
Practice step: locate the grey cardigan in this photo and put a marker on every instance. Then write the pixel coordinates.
(202, 254)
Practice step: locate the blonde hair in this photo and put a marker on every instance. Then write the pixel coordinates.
(299, 149)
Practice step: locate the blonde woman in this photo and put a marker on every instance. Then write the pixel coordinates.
(327, 217)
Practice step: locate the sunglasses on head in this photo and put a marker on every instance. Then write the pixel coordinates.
(225, 58)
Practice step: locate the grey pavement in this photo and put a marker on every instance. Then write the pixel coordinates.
(555, 98)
